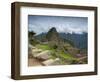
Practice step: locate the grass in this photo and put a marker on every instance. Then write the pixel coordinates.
(62, 54)
(43, 46)
(54, 53)
(67, 56)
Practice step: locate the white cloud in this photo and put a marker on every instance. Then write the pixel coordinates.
(41, 24)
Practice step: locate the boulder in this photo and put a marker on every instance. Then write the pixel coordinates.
(51, 62)
(44, 55)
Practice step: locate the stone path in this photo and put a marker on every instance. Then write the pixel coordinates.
(41, 58)
(34, 62)
(50, 62)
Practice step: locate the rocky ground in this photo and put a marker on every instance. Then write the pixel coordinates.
(41, 58)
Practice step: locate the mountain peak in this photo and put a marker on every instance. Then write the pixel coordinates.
(52, 34)
(53, 29)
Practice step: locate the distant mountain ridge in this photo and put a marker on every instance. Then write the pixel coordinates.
(79, 40)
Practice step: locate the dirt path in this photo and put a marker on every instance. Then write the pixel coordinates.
(34, 62)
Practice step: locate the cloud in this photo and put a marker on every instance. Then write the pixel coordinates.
(75, 30)
(41, 24)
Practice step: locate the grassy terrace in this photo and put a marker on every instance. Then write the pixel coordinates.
(43, 46)
(63, 56)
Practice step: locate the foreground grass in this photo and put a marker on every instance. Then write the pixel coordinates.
(43, 46)
(67, 56)
(56, 54)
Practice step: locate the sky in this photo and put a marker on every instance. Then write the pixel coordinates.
(41, 24)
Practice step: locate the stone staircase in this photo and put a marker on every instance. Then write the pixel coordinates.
(51, 62)
(45, 56)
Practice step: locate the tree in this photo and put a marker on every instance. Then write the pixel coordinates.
(31, 38)
(31, 34)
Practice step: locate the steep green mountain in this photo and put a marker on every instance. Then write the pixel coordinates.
(54, 40)
(77, 40)
(52, 34)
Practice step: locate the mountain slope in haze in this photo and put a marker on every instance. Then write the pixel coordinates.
(78, 40)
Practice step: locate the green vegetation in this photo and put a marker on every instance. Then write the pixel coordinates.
(59, 48)
(65, 57)
(43, 46)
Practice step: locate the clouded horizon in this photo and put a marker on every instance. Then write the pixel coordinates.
(40, 24)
